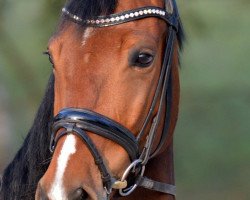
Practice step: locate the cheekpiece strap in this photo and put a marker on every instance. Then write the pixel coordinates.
(124, 17)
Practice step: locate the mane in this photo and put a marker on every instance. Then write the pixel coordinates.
(181, 35)
(20, 178)
(87, 9)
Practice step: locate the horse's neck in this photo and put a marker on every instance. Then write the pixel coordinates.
(161, 169)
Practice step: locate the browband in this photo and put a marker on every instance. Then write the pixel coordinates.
(124, 17)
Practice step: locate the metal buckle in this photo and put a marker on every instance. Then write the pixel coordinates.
(119, 185)
(132, 166)
(108, 191)
(169, 6)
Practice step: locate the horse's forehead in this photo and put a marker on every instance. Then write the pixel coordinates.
(136, 31)
(78, 41)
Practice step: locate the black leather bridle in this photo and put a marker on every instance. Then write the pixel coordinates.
(78, 121)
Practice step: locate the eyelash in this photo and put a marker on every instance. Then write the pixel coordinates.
(50, 57)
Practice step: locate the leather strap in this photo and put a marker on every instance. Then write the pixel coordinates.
(163, 82)
(157, 186)
(70, 128)
(98, 124)
(165, 132)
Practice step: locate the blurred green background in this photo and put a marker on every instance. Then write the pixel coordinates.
(212, 140)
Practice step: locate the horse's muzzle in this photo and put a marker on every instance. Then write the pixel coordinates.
(75, 194)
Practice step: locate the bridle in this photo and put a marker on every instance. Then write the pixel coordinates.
(78, 121)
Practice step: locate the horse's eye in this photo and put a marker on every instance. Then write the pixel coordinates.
(144, 60)
(50, 57)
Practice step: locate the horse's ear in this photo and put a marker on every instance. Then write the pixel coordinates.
(169, 6)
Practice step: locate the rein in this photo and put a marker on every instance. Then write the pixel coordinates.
(78, 121)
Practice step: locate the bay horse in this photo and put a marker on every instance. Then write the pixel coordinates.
(104, 129)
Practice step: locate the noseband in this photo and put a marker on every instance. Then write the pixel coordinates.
(78, 121)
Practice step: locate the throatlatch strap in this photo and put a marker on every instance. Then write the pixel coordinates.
(157, 186)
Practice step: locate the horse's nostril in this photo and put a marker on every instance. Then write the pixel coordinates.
(79, 194)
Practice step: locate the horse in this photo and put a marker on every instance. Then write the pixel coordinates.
(104, 129)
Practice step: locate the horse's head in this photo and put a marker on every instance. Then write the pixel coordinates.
(112, 75)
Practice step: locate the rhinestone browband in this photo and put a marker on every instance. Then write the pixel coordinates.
(123, 17)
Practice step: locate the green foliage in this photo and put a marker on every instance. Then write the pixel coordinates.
(211, 141)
